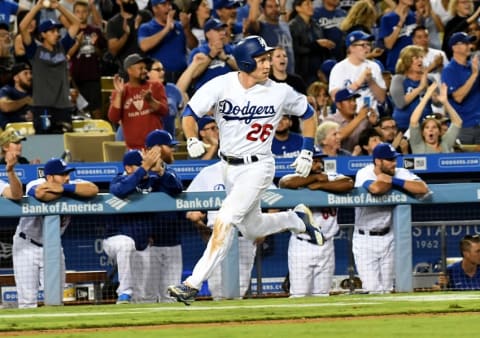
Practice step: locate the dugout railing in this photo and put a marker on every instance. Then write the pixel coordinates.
(444, 196)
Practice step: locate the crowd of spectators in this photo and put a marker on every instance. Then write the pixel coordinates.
(403, 72)
(54, 48)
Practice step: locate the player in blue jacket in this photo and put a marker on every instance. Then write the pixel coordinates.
(128, 235)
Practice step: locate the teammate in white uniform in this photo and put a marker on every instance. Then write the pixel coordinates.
(27, 250)
(358, 74)
(211, 179)
(247, 107)
(311, 267)
(373, 242)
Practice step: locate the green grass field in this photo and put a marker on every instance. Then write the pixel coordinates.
(450, 315)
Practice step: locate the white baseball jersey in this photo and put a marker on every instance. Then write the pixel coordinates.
(247, 118)
(374, 254)
(376, 218)
(344, 73)
(27, 254)
(311, 267)
(32, 226)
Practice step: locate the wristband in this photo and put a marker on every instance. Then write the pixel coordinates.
(398, 182)
(308, 143)
(69, 188)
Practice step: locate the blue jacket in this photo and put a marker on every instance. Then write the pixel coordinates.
(145, 227)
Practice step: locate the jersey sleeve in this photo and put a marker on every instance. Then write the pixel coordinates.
(32, 184)
(207, 96)
(364, 175)
(335, 80)
(405, 174)
(296, 103)
(377, 75)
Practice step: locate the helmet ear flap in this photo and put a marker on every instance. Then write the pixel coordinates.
(247, 49)
(248, 66)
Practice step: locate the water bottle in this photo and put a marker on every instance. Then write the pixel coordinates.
(45, 120)
(67, 156)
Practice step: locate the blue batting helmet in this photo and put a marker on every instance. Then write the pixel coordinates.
(247, 49)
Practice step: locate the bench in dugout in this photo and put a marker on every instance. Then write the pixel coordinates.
(72, 277)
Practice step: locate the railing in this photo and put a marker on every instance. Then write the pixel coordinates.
(281, 198)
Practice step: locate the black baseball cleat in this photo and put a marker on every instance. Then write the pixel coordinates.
(183, 293)
(312, 229)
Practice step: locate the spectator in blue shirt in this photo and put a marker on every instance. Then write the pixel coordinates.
(264, 19)
(396, 29)
(329, 16)
(461, 77)
(8, 8)
(218, 52)
(164, 39)
(464, 274)
(286, 144)
(409, 85)
(226, 12)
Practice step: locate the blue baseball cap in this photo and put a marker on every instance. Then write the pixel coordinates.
(204, 121)
(319, 154)
(158, 2)
(327, 66)
(4, 25)
(357, 36)
(219, 4)
(133, 157)
(213, 23)
(345, 94)
(459, 37)
(48, 24)
(56, 166)
(159, 137)
(384, 151)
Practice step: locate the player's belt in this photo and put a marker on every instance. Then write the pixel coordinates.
(307, 240)
(382, 232)
(34, 242)
(239, 160)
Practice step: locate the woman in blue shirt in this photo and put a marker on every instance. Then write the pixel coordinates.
(409, 84)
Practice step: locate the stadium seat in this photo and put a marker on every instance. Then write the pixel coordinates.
(106, 84)
(23, 128)
(86, 146)
(92, 125)
(180, 155)
(113, 151)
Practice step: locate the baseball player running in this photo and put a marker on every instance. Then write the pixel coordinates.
(311, 267)
(210, 179)
(247, 106)
(27, 250)
(372, 244)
